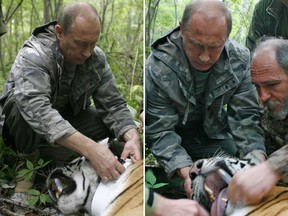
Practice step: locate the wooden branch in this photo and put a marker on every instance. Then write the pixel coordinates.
(133, 72)
(7, 212)
(22, 205)
(8, 18)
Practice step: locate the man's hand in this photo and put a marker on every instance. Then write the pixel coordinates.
(100, 157)
(251, 185)
(133, 147)
(184, 174)
(105, 162)
(167, 207)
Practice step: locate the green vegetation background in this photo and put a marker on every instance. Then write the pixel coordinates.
(121, 38)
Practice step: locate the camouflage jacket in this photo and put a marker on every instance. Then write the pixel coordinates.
(267, 20)
(230, 110)
(34, 82)
(276, 134)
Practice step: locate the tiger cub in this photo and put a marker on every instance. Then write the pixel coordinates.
(77, 188)
(209, 189)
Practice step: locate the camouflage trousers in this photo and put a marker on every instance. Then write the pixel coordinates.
(20, 136)
(198, 145)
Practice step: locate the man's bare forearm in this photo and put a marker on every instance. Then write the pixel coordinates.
(78, 143)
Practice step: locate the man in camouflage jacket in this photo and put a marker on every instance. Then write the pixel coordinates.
(270, 18)
(182, 126)
(47, 94)
(269, 73)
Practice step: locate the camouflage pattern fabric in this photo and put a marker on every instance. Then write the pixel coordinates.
(276, 133)
(231, 109)
(34, 88)
(269, 19)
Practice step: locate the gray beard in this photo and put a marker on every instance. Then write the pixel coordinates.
(277, 114)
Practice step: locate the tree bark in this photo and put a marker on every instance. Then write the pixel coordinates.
(3, 27)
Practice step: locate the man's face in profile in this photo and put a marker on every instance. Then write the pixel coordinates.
(271, 82)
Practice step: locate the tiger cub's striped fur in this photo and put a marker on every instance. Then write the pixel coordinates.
(74, 188)
(208, 187)
(274, 204)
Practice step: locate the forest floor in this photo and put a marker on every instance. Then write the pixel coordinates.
(17, 204)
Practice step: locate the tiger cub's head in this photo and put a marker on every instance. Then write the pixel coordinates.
(72, 187)
(208, 187)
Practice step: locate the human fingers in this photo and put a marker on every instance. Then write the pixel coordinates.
(135, 156)
(105, 163)
(203, 212)
(131, 150)
(232, 191)
(239, 190)
(125, 153)
(186, 207)
(200, 210)
(115, 172)
(187, 187)
(252, 198)
(119, 168)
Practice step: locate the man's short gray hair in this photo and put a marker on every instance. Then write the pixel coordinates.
(280, 46)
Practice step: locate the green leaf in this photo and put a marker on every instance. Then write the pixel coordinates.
(40, 162)
(43, 198)
(33, 200)
(136, 88)
(23, 172)
(34, 192)
(148, 185)
(48, 199)
(158, 185)
(46, 163)
(28, 176)
(150, 177)
(29, 165)
(11, 172)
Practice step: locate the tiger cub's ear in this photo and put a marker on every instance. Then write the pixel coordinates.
(116, 147)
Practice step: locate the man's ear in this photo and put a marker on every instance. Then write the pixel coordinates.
(181, 27)
(58, 30)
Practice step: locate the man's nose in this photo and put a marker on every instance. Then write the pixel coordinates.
(264, 95)
(204, 55)
(87, 52)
